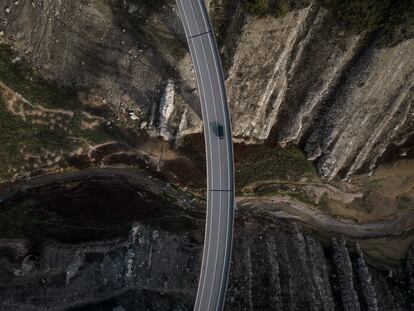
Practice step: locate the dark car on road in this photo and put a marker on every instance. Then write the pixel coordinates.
(217, 129)
(220, 131)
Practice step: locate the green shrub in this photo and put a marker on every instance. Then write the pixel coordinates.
(359, 15)
(276, 8)
(35, 89)
(258, 7)
(266, 163)
(16, 134)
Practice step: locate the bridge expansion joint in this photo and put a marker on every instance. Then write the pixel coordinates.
(200, 34)
(221, 190)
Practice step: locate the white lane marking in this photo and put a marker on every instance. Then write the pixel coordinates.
(184, 17)
(218, 243)
(203, 10)
(219, 149)
(219, 205)
(230, 201)
(223, 102)
(225, 118)
(212, 54)
(209, 157)
(195, 16)
(207, 239)
(223, 97)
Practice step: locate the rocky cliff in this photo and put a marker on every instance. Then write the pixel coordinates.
(345, 96)
(323, 84)
(336, 80)
(140, 257)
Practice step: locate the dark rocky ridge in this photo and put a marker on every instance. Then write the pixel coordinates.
(152, 263)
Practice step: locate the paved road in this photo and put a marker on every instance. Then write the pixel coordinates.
(219, 155)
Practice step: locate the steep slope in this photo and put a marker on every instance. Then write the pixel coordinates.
(119, 244)
(343, 95)
(340, 86)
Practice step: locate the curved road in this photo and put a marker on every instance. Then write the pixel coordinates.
(219, 155)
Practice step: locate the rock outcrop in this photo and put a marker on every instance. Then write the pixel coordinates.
(342, 95)
(300, 78)
(271, 269)
(132, 256)
(128, 56)
(344, 271)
